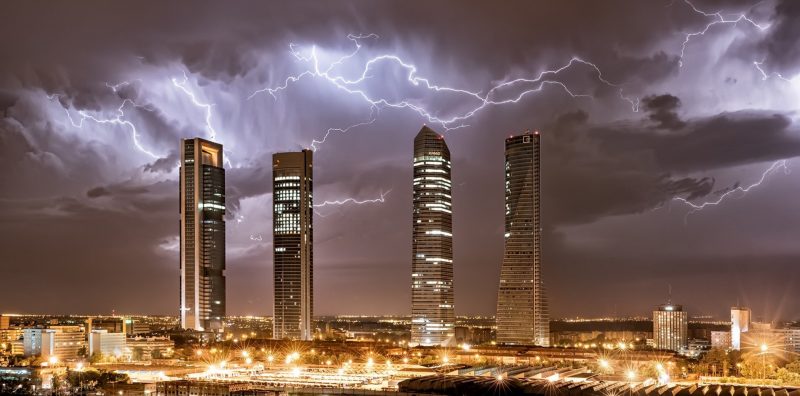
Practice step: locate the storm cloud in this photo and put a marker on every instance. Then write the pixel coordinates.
(635, 105)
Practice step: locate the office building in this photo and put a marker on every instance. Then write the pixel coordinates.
(293, 242)
(106, 343)
(32, 342)
(63, 342)
(740, 323)
(8, 335)
(432, 307)
(5, 322)
(721, 339)
(110, 324)
(670, 328)
(148, 348)
(522, 310)
(202, 236)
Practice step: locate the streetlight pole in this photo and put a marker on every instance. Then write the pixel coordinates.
(764, 349)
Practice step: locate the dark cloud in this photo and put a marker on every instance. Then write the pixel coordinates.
(164, 164)
(630, 167)
(781, 47)
(662, 109)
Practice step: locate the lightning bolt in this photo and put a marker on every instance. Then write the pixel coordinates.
(718, 18)
(212, 133)
(765, 75)
(118, 120)
(482, 101)
(780, 164)
(181, 85)
(373, 116)
(346, 201)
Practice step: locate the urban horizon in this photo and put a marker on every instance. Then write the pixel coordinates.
(393, 197)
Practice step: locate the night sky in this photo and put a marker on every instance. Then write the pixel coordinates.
(89, 209)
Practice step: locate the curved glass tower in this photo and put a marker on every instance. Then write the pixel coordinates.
(432, 309)
(522, 315)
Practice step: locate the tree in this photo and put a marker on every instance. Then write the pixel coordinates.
(793, 367)
(787, 377)
(713, 361)
(137, 354)
(96, 357)
(757, 366)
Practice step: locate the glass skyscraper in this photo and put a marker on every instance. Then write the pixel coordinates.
(432, 309)
(202, 235)
(293, 241)
(522, 312)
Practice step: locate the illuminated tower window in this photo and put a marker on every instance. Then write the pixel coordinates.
(292, 236)
(432, 307)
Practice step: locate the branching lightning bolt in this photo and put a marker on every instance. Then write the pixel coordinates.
(373, 116)
(118, 120)
(351, 86)
(719, 18)
(780, 164)
(345, 201)
(181, 85)
(212, 133)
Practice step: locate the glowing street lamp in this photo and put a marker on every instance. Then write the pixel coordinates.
(631, 375)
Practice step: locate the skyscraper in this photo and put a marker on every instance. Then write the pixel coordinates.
(293, 242)
(202, 235)
(522, 314)
(740, 323)
(432, 309)
(670, 327)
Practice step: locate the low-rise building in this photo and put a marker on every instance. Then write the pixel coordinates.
(721, 339)
(11, 334)
(148, 348)
(107, 344)
(32, 342)
(63, 342)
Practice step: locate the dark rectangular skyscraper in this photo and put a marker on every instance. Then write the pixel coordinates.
(293, 241)
(522, 316)
(202, 235)
(432, 308)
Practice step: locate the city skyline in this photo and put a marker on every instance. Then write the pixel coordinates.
(670, 131)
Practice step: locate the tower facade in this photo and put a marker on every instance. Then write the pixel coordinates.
(740, 323)
(522, 310)
(670, 327)
(432, 308)
(293, 241)
(202, 235)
